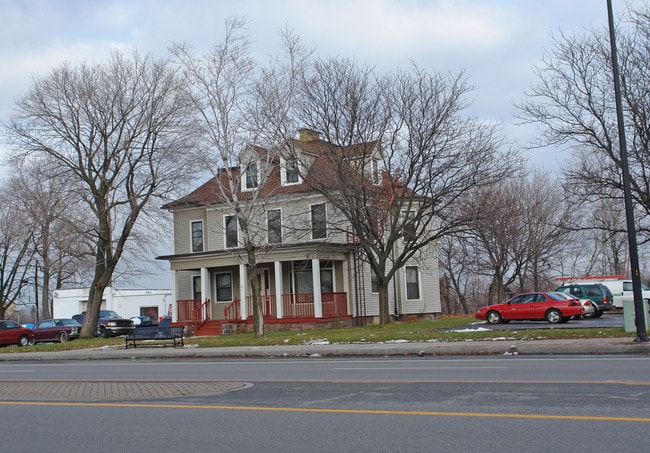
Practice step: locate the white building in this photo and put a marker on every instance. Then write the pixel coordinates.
(155, 303)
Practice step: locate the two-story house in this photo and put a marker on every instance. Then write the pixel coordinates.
(309, 267)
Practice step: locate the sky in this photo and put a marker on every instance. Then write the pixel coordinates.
(496, 42)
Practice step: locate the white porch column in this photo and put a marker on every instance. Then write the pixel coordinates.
(346, 283)
(318, 298)
(243, 285)
(173, 303)
(279, 308)
(206, 288)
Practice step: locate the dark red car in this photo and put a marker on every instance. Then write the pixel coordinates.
(550, 306)
(12, 333)
(60, 330)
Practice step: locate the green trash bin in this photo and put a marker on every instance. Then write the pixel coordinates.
(629, 318)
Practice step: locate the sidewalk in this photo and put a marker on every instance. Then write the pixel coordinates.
(436, 348)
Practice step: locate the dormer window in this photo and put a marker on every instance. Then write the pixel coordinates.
(290, 171)
(251, 180)
(293, 175)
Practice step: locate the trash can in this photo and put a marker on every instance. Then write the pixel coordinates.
(629, 318)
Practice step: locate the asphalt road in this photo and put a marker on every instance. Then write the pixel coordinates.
(413, 404)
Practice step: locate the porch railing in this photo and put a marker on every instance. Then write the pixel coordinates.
(193, 310)
(293, 306)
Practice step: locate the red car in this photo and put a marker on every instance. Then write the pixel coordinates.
(552, 307)
(60, 330)
(12, 333)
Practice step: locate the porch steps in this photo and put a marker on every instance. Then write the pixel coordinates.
(210, 328)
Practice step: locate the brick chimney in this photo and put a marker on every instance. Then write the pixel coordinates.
(307, 135)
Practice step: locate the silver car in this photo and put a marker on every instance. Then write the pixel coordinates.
(587, 306)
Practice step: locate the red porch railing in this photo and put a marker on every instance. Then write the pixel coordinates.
(193, 310)
(294, 306)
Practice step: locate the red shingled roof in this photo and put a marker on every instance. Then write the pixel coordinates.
(210, 193)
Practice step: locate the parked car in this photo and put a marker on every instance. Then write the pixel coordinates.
(12, 333)
(550, 306)
(589, 308)
(595, 292)
(143, 321)
(60, 330)
(109, 324)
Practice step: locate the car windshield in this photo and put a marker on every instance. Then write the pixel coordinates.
(108, 314)
(66, 322)
(556, 296)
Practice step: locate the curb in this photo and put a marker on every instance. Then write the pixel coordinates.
(434, 348)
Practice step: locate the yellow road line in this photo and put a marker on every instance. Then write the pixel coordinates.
(334, 411)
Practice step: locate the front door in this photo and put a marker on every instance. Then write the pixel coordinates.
(263, 279)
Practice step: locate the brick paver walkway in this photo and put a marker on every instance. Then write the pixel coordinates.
(110, 390)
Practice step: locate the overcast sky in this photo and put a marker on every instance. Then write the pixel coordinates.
(495, 41)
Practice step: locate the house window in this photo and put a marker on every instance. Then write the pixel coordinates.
(412, 283)
(326, 277)
(291, 171)
(231, 232)
(274, 223)
(375, 171)
(251, 176)
(409, 227)
(197, 236)
(302, 277)
(304, 281)
(318, 221)
(374, 281)
(224, 287)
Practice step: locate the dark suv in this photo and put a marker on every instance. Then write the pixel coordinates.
(109, 324)
(599, 294)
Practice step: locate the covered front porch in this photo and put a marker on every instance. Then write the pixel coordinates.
(296, 309)
(288, 293)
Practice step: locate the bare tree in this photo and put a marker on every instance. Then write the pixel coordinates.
(573, 103)
(16, 251)
(520, 229)
(241, 106)
(403, 156)
(121, 129)
(49, 199)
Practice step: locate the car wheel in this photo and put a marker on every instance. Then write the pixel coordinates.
(597, 314)
(103, 333)
(63, 337)
(23, 341)
(553, 316)
(493, 317)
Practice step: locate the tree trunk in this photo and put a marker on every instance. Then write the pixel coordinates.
(384, 312)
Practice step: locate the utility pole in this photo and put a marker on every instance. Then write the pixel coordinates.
(639, 312)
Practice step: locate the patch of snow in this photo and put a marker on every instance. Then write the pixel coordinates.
(480, 329)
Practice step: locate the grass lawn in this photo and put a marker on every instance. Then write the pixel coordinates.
(442, 329)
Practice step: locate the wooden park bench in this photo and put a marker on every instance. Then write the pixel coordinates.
(155, 334)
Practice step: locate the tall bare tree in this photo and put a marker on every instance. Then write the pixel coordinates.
(122, 130)
(573, 103)
(50, 200)
(16, 250)
(417, 152)
(241, 105)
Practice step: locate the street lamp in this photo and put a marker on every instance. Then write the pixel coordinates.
(639, 312)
